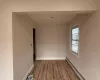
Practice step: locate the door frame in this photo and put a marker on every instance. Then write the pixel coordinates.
(34, 45)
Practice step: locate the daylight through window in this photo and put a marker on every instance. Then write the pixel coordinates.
(75, 40)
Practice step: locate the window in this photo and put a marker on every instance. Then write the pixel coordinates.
(75, 40)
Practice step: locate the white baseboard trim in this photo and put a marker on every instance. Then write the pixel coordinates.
(50, 58)
(75, 70)
(28, 72)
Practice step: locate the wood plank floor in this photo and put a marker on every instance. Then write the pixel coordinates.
(53, 70)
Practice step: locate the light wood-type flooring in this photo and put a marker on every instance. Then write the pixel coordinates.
(53, 70)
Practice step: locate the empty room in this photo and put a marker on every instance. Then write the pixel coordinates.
(49, 40)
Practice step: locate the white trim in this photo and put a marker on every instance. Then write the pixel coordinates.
(77, 73)
(28, 72)
(77, 55)
(43, 58)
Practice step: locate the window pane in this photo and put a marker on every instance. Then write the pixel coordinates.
(75, 33)
(75, 36)
(75, 39)
(75, 46)
(75, 30)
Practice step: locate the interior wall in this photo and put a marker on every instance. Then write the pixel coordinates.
(9, 6)
(22, 48)
(88, 62)
(6, 50)
(51, 41)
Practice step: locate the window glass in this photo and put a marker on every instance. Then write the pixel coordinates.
(75, 40)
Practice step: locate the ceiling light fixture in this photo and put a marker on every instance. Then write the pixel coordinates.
(52, 17)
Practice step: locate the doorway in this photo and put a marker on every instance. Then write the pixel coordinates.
(34, 46)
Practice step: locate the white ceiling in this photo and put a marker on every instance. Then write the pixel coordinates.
(59, 17)
(46, 17)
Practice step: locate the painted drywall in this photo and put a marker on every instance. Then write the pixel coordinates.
(9, 6)
(45, 17)
(22, 48)
(45, 5)
(6, 50)
(51, 41)
(88, 62)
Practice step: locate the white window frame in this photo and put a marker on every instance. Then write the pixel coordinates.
(77, 54)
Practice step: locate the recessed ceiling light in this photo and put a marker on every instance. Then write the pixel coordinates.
(52, 17)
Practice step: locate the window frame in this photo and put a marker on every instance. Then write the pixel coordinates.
(77, 54)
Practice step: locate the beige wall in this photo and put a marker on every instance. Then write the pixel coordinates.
(9, 6)
(6, 50)
(22, 49)
(88, 62)
(51, 41)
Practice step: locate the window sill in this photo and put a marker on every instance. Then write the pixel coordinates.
(75, 54)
